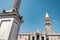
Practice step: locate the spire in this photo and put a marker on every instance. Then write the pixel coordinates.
(47, 14)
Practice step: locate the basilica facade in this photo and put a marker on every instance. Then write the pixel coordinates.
(47, 35)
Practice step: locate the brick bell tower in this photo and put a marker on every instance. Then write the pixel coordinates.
(47, 24)
(10, 22)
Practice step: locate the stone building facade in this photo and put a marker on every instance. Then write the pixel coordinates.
(47, 35)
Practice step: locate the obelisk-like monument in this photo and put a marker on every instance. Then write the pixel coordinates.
(16, 4)
(10, 22)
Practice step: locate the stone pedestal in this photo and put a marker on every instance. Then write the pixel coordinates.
(9, 25)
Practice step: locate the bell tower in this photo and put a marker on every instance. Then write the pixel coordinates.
(47, 24)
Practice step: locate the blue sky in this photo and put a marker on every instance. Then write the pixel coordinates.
(33, 12)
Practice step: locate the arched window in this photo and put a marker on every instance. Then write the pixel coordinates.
(37, 37)
(47, 20)
(29, 37)
(33, 38)
(42, 37)
(47, 23)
